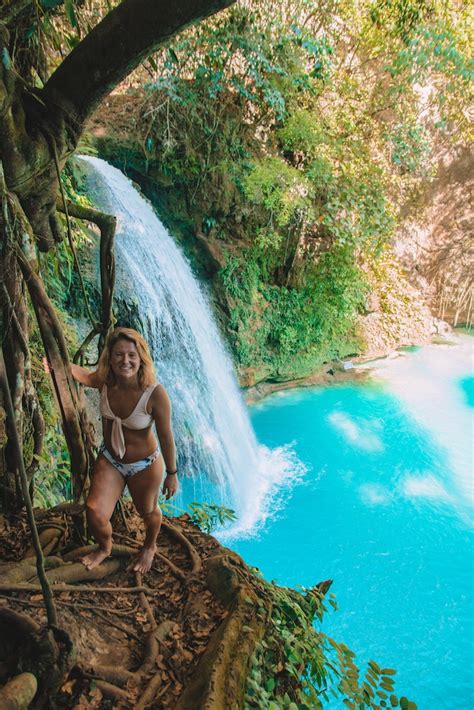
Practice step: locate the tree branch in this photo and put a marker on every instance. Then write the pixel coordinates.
(13, 434)
(106, 224)
(116, 46)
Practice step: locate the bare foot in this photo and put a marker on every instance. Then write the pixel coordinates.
(144, 560)
(95, 558)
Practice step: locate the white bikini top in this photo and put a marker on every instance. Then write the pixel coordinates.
(138, 419)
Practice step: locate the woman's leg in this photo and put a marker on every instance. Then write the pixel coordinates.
(144, 488)
(106, 488)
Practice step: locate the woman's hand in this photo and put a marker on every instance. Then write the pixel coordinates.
(84, 377)
(48, 368)
(170, 486)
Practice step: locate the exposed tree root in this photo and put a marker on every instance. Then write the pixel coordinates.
(149, 695)
(19, 571)
(49, 538)
(20, 623)
(221, 673)
(117, 551)
(23, 602)
(59, 588)
(30, 646)
(111, 691)
(125, 551)
(145, 658)
(112, 674)
(18, 693)
(177, 572)
(76, 572)
(193, 554)
(144, 602)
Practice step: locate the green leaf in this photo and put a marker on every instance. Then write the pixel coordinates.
(48, 4)
(173, 55)
(270, 686)
(153, 64)
(70, 12)
(375, 667)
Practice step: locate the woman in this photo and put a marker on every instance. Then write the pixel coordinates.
(130, 401)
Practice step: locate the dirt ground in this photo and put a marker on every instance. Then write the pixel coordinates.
(128, 642)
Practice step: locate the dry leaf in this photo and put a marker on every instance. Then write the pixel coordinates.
(68, 686)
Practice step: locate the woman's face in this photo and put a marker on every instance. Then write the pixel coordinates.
(124, 359)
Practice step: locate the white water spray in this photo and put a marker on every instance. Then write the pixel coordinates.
(427, 383)
(217, 449)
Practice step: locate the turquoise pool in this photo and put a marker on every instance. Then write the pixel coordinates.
(385, 510)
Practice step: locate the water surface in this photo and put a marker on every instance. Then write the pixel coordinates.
(385, 510)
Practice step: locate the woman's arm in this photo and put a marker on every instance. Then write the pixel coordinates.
(82, 375)
(161, 412)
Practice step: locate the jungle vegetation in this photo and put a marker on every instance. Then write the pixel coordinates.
(294, 134)
(293, 137)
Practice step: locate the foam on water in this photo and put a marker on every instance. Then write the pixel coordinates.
(357, 433)
(428, 384)
(278, 471)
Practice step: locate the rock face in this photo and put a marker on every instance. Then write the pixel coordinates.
(436, 245)
(396, 314)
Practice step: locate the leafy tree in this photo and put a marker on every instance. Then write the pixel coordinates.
(295, 130)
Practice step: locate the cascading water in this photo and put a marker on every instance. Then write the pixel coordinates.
(217, 449)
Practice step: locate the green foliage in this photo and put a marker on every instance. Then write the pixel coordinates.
(306, 325)
(206, 516)
(301, 132)
(410, 148)
(281, 189)
(297, 666)
(52, 477)
(58, 268)
(401, 18)
(297, 149)
(209, 516)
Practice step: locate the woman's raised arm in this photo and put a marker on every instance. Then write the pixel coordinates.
(82, 375)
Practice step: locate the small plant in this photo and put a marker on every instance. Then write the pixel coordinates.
(52, 479)
(297, 667)
(208, 516)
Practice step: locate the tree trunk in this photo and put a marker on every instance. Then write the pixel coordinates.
(77, 429)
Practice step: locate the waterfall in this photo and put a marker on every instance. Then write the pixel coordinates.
(219, 458)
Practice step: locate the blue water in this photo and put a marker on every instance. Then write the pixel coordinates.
(384, 510)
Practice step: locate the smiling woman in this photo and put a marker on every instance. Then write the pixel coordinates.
(130, 401)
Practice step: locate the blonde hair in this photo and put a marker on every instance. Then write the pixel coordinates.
(146, 371)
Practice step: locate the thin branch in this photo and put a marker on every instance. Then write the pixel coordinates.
(107, 224)
(93, 321)
(76, 588)
(13, 435)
